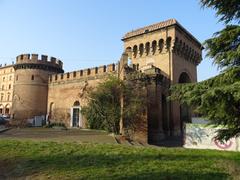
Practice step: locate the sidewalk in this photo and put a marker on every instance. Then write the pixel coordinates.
(3, 128)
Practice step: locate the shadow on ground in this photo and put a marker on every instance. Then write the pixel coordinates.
(91, 161)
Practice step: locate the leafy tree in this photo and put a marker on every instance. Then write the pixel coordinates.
(135, 101)
(218, 98)
(103, 110)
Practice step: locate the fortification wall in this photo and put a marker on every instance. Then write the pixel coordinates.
(33, 59)
(85, 74)
(6, 66)
(30, 93)
(31, 84)
(64, 90)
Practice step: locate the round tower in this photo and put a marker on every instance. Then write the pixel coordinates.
(31, 84)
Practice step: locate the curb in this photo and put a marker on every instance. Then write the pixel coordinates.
(3, 130)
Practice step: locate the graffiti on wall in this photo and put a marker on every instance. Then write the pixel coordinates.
(200, 136)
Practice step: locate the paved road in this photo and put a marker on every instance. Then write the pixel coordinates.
(48, 134)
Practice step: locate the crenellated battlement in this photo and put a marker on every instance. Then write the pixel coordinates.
(6, 65)
(34, 59)
(84, 74)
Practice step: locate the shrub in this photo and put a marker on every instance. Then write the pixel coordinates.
(56, 125)
(103, 110)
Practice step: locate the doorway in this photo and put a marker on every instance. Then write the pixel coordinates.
(76, 117)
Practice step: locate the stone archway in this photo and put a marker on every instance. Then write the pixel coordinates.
(184, 78)
(185, 111)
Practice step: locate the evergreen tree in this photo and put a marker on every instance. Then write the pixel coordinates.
(218, 98)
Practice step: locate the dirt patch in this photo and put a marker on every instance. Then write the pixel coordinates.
(232, 168)
(49, 134)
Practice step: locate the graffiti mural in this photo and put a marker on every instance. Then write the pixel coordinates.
(200, 136)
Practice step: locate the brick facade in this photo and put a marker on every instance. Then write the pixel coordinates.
(165, 51)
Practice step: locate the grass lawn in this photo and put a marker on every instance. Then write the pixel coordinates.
(52, 160)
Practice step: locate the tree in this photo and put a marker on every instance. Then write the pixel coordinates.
(135, 101)
(218, 98)
(228, 10)
(224, 48)
(103, 110)
(104, 107)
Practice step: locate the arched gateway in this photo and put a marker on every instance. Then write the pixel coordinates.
(185, 110)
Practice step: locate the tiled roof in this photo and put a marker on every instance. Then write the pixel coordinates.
(157, 26)
(150, 28)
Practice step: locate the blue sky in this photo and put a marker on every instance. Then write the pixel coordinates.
(87, 33)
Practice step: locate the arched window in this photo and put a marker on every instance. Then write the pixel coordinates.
(129, 51)
(184, 78)
(8, 96)
(176, 45)
(195, 55)
(76, 117)
(183, 49)
(135, 51)
(191, 54)
(154, 47)
(180, 47)
(160, 45)
(129, 63)
(141, 49)
(2, 96)
(76, 103)
(147, 48)
(7, 109)
(168, 43)
(1, 109)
